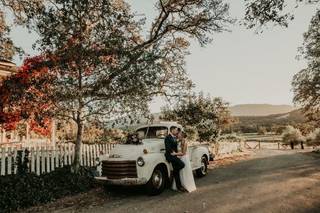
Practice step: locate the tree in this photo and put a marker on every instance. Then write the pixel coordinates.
(208, 115)
(292, 136)
(192, 133)
(102, 66)
(306, 83)
(313, 139)
(22, 12)
(261, 12)
(262, 130)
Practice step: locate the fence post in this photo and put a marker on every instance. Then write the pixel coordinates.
(72, 153)
(94, 154)
(22, 157)
(278, 146)
(3, 160)
(100, 149)
(86, 155)
(38, 161)
(65, 160)
(9, 161)
(43, 169)
(54, 159)
(91, 155)
(15, 167)
(48, 160)
(32, 159)
(57, 157)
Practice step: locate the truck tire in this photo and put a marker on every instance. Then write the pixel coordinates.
(157, 182)
(203, 170)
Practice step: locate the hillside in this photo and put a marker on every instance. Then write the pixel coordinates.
(251, 123)
(259, 109)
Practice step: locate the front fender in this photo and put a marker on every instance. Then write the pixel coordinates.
(151, 161)
(196, 155)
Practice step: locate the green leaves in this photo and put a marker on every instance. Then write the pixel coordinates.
(22, 11)
(261, 12)
(18, 192)
(306, 83)
(207, 115)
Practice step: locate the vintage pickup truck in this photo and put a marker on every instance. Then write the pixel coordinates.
(144, 163)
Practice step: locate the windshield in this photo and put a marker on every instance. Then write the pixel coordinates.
(153, 132)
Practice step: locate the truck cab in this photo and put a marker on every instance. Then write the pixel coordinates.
(144, 163)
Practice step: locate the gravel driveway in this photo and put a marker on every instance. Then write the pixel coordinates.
(269, 181)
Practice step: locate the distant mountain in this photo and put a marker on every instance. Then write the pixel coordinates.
(250, 124)
(292, 117)
(259, 109)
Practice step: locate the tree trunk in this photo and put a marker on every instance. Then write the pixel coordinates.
(302, 147)
(292, 145)
(77, 151)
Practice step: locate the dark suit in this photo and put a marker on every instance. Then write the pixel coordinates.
(172, 146)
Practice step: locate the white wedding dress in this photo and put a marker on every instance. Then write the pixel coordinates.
(186, 175)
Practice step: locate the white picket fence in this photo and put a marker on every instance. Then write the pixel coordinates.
(47, 159)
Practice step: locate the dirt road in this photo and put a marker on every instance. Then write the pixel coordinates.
(269, 181)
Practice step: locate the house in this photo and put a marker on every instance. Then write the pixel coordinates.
(6, 68)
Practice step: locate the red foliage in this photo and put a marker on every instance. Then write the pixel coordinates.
(43, 128)
(21, 98)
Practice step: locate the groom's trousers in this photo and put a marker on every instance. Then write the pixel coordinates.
(177, 165)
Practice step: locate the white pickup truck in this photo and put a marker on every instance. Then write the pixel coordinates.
(145, 164)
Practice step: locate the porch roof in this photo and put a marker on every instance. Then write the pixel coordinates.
(7, 68)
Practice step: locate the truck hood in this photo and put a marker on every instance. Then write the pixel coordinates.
(132, 152)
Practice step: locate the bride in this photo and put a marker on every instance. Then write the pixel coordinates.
(186, 174)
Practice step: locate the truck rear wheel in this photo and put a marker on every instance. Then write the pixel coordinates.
(203, 170)
(157, 182)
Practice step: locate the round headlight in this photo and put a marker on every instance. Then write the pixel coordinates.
(140, 161)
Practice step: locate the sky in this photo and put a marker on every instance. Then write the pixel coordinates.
(240, 66)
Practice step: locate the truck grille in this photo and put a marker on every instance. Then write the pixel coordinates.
(119, 169)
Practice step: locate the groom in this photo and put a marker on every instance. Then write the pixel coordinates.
(172, 156)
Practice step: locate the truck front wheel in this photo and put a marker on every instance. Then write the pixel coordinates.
(203, 170)
(157, 182)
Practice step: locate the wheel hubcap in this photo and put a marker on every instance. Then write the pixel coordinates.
(157, 179)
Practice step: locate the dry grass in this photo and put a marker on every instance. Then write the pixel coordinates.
(229, 159)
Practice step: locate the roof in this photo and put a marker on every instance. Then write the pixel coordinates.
(7, 68)
(6, 61)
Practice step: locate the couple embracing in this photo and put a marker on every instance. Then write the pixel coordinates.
(179, 159)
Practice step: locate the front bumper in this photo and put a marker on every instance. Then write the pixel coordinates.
(123, 181)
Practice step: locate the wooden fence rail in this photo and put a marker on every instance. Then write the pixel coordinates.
(47, 159)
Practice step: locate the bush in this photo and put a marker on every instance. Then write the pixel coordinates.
(292, 136)
(262, 130)
(21, 191)
(313, 139)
